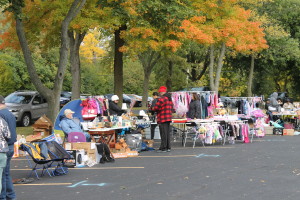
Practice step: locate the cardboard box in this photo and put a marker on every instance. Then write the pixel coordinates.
(31, 138)
(68, 146)
(43, 124)
(94, 155)
(87, 146)
(119, 155)
(41, 131)
(118, 150)
(132, 154)
(269, 130)
(288, 131)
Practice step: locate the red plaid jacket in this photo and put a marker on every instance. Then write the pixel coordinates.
(164, 109)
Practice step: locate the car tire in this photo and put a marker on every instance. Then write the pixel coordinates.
(26, 119)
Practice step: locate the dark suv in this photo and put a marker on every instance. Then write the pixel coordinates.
(26, 105)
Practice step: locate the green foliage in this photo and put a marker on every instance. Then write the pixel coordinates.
(287, 12)
(14, 6)
(96, 78)
(6, 81)
(20, 80)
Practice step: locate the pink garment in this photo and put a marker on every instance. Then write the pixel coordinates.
(257, 113)
(245, 132)
(215, 100)
(210, 111)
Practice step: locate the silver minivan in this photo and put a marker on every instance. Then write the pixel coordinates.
(26, 106)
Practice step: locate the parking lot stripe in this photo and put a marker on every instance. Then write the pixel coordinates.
(175, 156)
(43, 184)
(206, 147)
(90, 168)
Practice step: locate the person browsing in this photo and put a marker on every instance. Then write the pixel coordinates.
(114, 109)
(153, 117)
(164, 109)
(8, 191)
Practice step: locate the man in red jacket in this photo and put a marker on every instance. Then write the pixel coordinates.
(164, 109)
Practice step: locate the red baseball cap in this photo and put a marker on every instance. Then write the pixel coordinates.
(162, 89)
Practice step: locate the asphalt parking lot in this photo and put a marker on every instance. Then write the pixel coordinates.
(268, 168)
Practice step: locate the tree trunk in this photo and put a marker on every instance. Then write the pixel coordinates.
(211, 68)
(169, 79)
(194, 75)
(52, 96)
(118, 64)
(148, 61)
(75, 41)
(219, 67)
(250, 80)
(145, 89)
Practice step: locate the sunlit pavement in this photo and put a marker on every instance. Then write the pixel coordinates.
(268, 168)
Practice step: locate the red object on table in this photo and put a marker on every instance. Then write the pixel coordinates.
(179, 120)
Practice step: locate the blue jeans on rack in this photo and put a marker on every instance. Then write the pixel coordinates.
(8, 191)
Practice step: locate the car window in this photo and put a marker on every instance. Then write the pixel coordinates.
(37, 100)
(18, 98)
(66, 95)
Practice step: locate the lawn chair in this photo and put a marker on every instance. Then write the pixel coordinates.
(41, 160)
(58, 154)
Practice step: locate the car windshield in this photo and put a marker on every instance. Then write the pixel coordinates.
(66, 94)
(18, 98)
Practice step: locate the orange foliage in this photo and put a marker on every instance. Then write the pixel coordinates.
(225, 21)
(192, 31)
(141, 31)
(173, 45)
(9, 37)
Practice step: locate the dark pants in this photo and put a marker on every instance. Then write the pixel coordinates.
(8, 191)
(153, 126)
(164, 129)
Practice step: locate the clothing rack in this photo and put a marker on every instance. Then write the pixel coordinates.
(248, 98)
(197, 92)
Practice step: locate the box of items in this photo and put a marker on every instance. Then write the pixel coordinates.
(288, 131)
(277, 131)
(269, 130)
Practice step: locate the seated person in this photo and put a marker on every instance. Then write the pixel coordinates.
(68, 124)
(114, 109)
(288, 105)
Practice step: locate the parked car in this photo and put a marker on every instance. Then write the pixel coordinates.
(26, 106)
(196, 89)
(137, 98)
(65, 97)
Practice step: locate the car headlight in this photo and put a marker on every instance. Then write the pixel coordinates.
(14, 110)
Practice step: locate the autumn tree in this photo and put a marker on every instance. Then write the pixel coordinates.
(223, 24)
(51, 95)
(152, 31)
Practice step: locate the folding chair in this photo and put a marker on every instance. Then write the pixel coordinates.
(58, 154)
(76, 137)
(37, 158)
